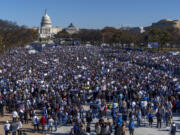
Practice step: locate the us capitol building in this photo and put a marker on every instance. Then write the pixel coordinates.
(47, 31)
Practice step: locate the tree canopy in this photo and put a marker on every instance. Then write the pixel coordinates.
(112, 35)
(13, 35)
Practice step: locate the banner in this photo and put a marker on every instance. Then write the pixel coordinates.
(153, 45)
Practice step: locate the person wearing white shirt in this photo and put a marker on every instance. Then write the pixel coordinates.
(7, 128)
(15, 115)
(35, 123)
(51, 123)
(19, 127)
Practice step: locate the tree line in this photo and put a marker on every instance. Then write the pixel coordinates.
(12, 35)
(112, 35)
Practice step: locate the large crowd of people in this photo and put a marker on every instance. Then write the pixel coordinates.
(74, 85)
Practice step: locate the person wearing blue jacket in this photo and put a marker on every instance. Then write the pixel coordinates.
(150, 117)
(120, 120)
(131, 127)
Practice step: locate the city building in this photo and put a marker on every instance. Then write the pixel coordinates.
(46, 30)
(167, 23)
(136, 29)
(71, 29)
(139, 29)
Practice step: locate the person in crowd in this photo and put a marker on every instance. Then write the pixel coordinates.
(19, 127)
(76, 129)
(139, 115)
(131, 127)
(7, 128)
(150, 117)
(88, 117)
(124, 128)
(98, 128)
(159, 119)
(118, 129)
(26, 117)
(173, 129)
(167, 117)
(1, 108)
(15, 116)
(14, 127)
(88, 128)
(35, 123)
(50, 124)
(55, 124)
(43, 123)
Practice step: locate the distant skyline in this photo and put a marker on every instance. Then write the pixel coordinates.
(90, 13)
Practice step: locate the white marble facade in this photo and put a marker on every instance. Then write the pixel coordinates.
(46, 30)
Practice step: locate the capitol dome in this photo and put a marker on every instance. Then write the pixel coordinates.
(46, 21)
(46, 30)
